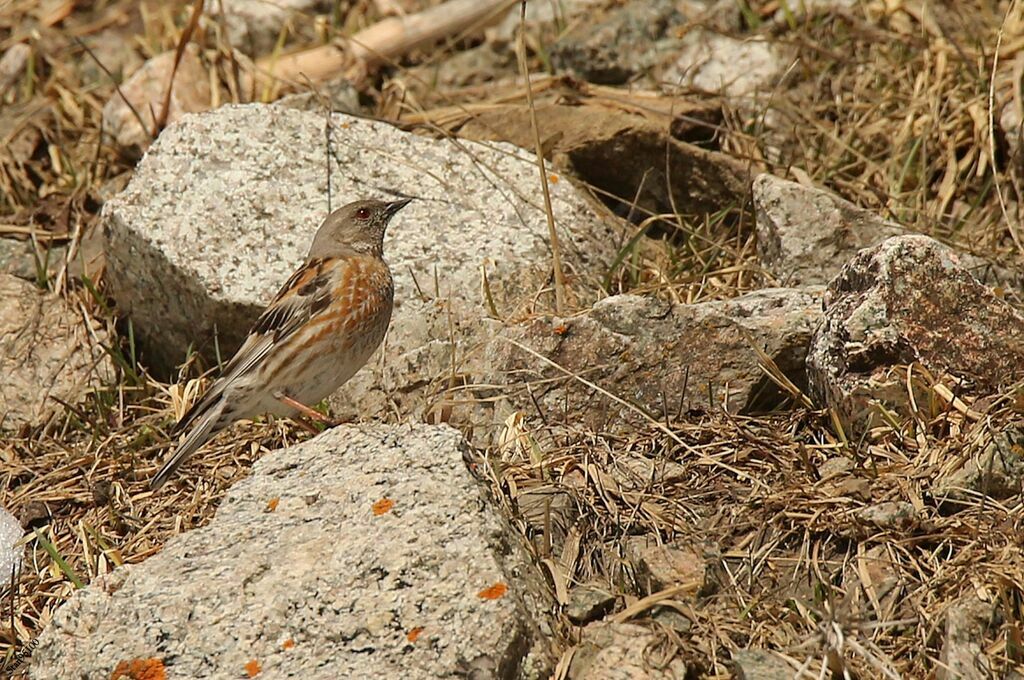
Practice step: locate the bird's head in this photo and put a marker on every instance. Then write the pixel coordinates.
(355, 228)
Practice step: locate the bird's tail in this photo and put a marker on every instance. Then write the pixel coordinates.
(209, 424)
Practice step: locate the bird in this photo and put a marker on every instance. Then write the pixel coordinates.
(317, 332)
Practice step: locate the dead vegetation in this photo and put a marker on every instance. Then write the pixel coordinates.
(888, 104)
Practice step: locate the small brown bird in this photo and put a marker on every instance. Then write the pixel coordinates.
(317, 332)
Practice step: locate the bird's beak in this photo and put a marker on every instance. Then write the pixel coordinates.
(394, 207)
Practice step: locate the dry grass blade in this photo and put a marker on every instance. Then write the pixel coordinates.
(556, 251)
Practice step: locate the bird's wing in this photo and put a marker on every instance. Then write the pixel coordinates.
(306, 294)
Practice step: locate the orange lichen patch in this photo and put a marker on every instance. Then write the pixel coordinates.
(494, 592)
(383, 506)
(272, 504)
(140, 669)
(253, 668)
(288, 644)
(413, 634)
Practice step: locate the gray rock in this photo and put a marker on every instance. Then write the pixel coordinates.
(714, 63)
(625, 651)
(22, 259)
(339, 94)
(968, 626)
(222, 210)
(1009, 102)
(117, 54)
(47, 352)
(659, 566)
(253, 26)
(760, 664)
(10, 554)
(589, 602)
(630, 40)
(654, 354)
(672, 618)
(890, 515)
(12, 65)
(806, 235)
(874, 588)
(359, 587)
(996, 471)
(543, 14)
(907, 300)
(145, 90)
(802, 10)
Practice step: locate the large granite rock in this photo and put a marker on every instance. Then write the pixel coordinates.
(223, 208)
(365, 552)
(655, 354)
(47, 353)
(910, 300)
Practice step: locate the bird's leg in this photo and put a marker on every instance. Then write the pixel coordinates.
(303, 409)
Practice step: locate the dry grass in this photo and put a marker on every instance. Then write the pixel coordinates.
(775, 515)
(889, 110)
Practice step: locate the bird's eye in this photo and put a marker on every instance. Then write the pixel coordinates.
(363, 213)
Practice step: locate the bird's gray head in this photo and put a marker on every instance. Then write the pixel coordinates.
(355, 228)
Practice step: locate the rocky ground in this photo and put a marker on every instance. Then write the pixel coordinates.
(764, 423)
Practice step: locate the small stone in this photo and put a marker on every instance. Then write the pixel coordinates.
(46, 353)
(146, 89)
(759, 664)
(621, 46)
(891, 515)
(625, 651)
(254, 26)
(661, 566)
(904, 302)
(10, 554)
(719, 64)
(672, 618)
(807, 235)
(997, 471)
(588, 602)
(967, 627)
(12, 65)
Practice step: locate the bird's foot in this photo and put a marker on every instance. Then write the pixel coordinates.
(310, 413)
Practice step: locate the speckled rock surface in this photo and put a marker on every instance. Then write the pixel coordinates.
(654, 354)
(720, 64)
(380, 559)
(760, 664)
(10, 553)
(629, 40)
(625, 651)
(223, 208)
(46, 353)
(807, 235)
(904, 301)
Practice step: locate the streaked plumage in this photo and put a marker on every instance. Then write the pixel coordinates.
(320, 329)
